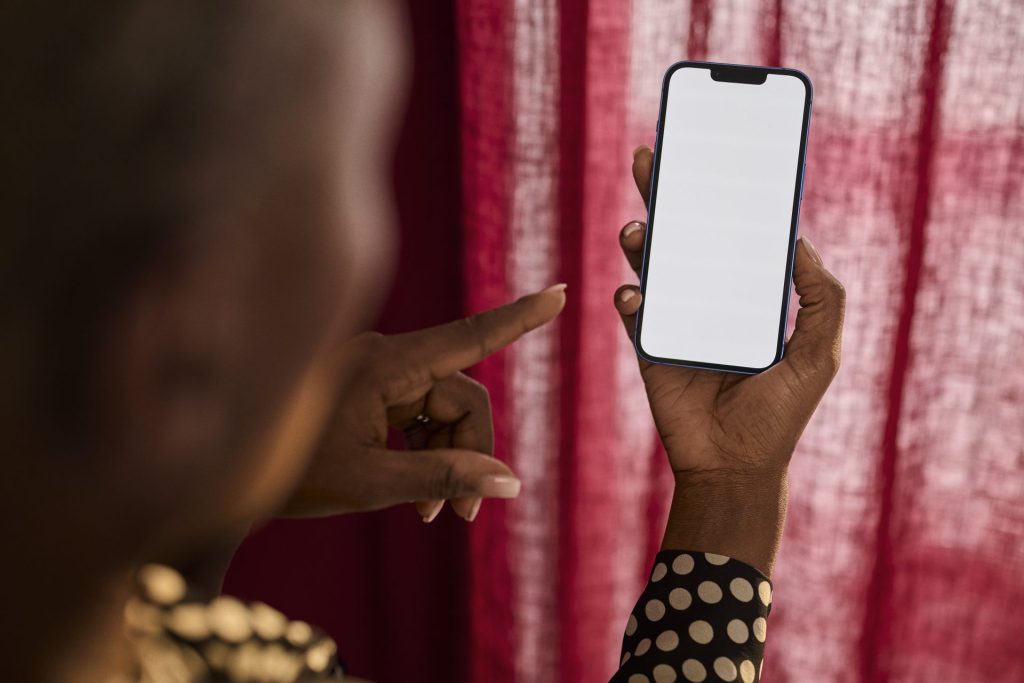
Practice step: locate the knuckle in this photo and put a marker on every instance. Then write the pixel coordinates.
(523, 326)
(476, 390)
(369, 339)
(803, 365)
(407, 374)
(395, 371)
(816, 362)
(836, 288)
(473, 329)
(447, 479)
(362, 352)
(369, 346)
(825, 364)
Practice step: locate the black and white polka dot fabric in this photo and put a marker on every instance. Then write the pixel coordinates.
(702, 617)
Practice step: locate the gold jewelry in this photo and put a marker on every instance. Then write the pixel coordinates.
(180, 639)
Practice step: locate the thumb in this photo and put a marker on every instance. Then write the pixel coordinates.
(444, 473)
(816, 344)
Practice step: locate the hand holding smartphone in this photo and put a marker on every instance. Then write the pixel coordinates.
(725, 196)
(729, 435)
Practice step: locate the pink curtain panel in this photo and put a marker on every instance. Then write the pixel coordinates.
(903, 558)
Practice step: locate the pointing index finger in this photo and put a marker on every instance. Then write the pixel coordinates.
(446, 349)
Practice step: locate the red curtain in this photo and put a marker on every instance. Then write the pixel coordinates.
(903, 558)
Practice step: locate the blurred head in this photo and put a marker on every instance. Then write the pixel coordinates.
(195, 217)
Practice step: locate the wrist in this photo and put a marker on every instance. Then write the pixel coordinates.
(729, 512)
(724, 481)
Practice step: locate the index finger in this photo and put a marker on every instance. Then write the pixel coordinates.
(446, 349)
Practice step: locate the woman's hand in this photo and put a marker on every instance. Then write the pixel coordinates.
(721, 422)
(730, 435)
(413, 382)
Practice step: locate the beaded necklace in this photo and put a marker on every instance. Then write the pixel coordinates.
(179, 638)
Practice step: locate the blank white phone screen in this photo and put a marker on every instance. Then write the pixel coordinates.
(720, 233)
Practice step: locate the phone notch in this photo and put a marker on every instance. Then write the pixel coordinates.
(733, 74)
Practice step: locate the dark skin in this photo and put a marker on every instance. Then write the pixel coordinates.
(730, 437)
(404, 376)
(311, 438)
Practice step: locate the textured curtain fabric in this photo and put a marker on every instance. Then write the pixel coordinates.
(903, 558)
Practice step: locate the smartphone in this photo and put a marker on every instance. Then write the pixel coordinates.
(726, 187)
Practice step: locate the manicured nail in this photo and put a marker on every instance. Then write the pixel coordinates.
(638, 150)
(499, 486)
(433, 512)
(626, 295)
(560, 287)
(471, 515)
(631, 227)
(811, 251)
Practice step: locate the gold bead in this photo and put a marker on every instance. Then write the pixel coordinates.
(217, 654)
(299, 633)
(319, 656)
(267, 622)
(188, 621)
(163, 661)
(229, 619)
(161, 584)
(280, 664)
(243, 663)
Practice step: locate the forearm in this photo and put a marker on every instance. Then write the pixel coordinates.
(737, 515)
(702, 614)
(706, 605)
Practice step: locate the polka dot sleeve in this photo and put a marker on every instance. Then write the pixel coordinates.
(702, 617)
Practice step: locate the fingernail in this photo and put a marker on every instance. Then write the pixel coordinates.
(499, 486)
(811, 251)
(434, 510)
(631, 227)
(560, 287)
(471, 515)
(638, 150)
(626, 295)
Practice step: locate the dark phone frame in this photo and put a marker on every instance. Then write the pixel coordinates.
(734, 73)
